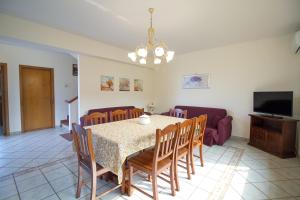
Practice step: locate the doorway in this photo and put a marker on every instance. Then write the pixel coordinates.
(36, 98)
(4, 115)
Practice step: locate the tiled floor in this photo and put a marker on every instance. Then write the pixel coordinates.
(232, 171)
(29, 150)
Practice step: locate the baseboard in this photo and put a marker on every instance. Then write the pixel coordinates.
(239, 138)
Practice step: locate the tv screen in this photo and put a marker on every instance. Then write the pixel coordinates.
(277, 103)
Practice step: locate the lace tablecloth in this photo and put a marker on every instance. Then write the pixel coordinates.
(114, 142)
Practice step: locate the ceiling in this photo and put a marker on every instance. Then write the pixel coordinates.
(185, 25)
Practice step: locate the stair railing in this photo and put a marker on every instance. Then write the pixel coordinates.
(72, 111)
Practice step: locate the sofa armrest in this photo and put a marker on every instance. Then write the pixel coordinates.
(224, 129)
(82, 120)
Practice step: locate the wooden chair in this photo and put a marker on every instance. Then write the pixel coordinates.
(95, 118)
(86, 160)
(136, 112)
(154, 162)
(118, 115)
(178, 113)
(186, 130)
(197, 140)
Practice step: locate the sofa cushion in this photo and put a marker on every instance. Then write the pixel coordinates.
(212, 120)
(215, 120)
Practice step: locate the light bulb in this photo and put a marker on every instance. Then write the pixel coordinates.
(170, 56)
(142, 52)
(132, 56)
(159, 51)
(143, 61)
(157, 61)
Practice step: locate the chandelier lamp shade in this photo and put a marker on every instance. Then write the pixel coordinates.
(154, 52)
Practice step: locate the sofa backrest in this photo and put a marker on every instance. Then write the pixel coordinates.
(213, 114)
(108, 110)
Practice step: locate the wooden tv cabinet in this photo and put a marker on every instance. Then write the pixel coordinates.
(274, 135)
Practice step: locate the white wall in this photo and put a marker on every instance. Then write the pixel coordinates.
(62, 64)
(90, 96)
(236, 71)
(15, 28)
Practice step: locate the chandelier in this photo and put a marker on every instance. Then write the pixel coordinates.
(154, 52)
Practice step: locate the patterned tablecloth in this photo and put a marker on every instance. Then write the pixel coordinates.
(114, 142)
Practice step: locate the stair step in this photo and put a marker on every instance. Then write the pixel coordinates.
(64, 122)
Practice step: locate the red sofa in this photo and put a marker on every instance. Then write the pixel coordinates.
(108, 110)
(218, 127)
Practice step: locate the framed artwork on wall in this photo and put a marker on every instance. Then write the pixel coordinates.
(75, 70)
(196, 81)
(138, 85)
(107, 83)
(124, 84)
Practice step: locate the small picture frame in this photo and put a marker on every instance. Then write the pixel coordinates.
(75, 70)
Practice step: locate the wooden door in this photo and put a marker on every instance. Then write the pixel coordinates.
(4, 99)
(37, 98)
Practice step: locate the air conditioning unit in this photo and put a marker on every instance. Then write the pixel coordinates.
(297, 42)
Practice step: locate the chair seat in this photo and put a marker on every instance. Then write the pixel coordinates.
(182, 151)
(197, 143)
(145, 160)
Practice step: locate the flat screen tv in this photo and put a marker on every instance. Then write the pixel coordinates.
(275, 103)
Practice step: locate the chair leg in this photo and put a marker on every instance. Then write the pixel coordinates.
(154, 186)
(172, 179)
(192, 161)
(130, 180)
(93, 187)
(79, 182)
(176, 174)
(201, 155)
(188, 166)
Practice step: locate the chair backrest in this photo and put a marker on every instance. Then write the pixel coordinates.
(166, 143)
(186, 131)
(178, 113)
(136, 112)
(95, 118)
(84, 146)
(199, 129)
(118, 115)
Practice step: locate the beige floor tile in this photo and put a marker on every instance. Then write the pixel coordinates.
(7, 191)
(271, 174)
(199, 194)
(271, 190)
(39, 192)
(248, 191)
(290, 186)
(252, 176)
(14, 197)
(231, 194)
(31, 183)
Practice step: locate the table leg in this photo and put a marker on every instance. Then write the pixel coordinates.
(124, 188)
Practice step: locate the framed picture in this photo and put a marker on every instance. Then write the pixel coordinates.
(196, 81)
(124, 84)
(107, 83)
(138, 85)
(75, 70)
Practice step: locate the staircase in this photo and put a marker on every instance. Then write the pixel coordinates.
(65, 123)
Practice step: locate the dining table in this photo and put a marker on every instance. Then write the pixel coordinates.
(114, 142)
